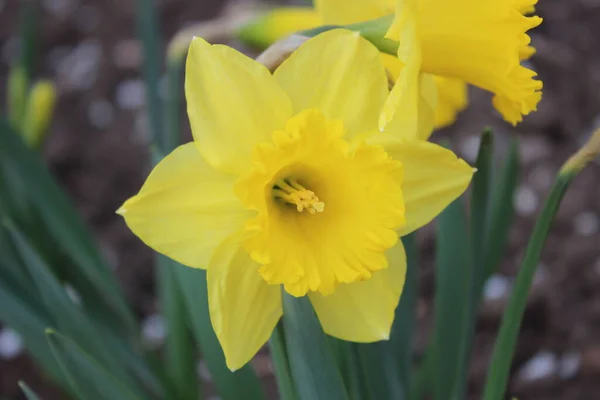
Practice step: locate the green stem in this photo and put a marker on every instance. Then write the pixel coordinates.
(147, 26)
(497, 378)
(174, 74)
(374, 31)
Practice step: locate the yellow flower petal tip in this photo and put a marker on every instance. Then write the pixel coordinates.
(125, 206)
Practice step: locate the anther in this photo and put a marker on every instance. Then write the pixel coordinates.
(292, 192)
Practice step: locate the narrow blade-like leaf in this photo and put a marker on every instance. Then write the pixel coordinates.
(100, 293)
(501, 212)
(180, 353)
(30, 394)
(313, 365)
(480, 193)
(453, 271)
(65, 314)
(281, 364)
(87, 378)
(148, 33)
(386, 365)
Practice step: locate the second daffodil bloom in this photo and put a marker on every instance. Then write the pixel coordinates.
(481, 42)
(478, 42)
(289, 185)
(463, 41)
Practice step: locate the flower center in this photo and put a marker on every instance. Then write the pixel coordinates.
(290, 191)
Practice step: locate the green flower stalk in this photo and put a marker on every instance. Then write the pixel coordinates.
(16, 95)
(509, 331)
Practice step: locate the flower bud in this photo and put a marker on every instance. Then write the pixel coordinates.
(276, 24)
(584, 156)
(38, 114)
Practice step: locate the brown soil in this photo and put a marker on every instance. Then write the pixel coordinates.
(97, 150)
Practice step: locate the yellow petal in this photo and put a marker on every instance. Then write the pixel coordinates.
(244, 309)
(392, 65)
(344, 12)
(278, 23)
(482, 43)
(452, 99)
(185, 208)
(233, 104)
(364, 311)
(428, 106)
(400, 115)
(433, 178)
(339, 73)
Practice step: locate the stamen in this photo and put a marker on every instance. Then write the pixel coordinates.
(292, 192)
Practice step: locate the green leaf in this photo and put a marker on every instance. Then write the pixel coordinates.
(13, 272)
(374, 31)
(281, 364)
(497, 378)
(453, 271)
(28, 31)
(386, 365)
(86, 376)
(403, 329)
(69, 318)
(30, 394)
(312, 362)
(174, 103)
(147, 31)
(501, 213)
(92, 277)
(380, 371)
(346, 355)
(180, 353)
(423, 379)
(16, 94)
(241, 384)
(480, 190)
(30, 324)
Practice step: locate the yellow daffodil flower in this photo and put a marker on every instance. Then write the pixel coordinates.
(469, 41)
(480, 42)
(289, 185)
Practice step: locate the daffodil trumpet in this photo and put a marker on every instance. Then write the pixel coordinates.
(290, 185)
